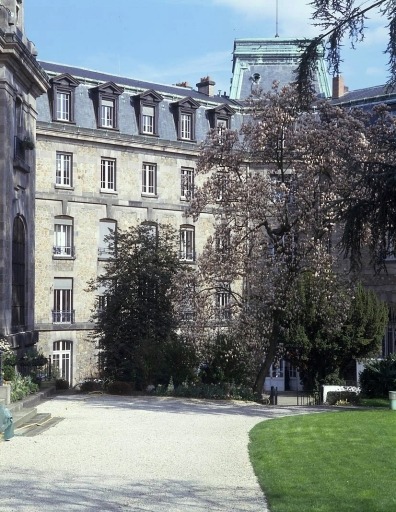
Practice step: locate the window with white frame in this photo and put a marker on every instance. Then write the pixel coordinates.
(107, 113)
(185, 126)
(63, 237)
(222, 242)
(62, 359)
(149, 179)
(108, 175)
(223, 302)
(107, 228)
(62, 95)
(222, 180)
(63, 169)
(63, 105)
(148, 119)
(221, 125)
(187, 243)
(187, 183)
(185, 110)
(106, 102)
(63, 312)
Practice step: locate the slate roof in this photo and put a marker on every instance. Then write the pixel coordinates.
(130, 82)
(368, 96)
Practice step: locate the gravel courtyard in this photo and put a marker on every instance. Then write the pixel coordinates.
(136, 454)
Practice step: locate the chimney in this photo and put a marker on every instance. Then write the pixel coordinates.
(339, 89)
(206, 86)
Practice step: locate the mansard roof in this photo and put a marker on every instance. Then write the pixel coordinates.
(98, 76)
(368, 96)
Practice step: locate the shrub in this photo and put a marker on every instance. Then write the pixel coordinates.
(9, 362)
(91, 385)
(379, 377)
(21, 387)
(119, 388)
(227, 360)
(223, 391)
(61, 384)
(337, 397)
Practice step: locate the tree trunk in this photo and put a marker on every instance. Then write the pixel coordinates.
(266, 364)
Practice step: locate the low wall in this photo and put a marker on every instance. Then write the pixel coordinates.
(5, 393)
(327, 389)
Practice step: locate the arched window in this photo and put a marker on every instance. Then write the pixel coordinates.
(62, 359)
(18, 318)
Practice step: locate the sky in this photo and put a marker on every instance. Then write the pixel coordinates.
(171, 41)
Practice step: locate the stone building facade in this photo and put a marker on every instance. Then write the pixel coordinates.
(22, 81)
(111, 151)
(115, 152)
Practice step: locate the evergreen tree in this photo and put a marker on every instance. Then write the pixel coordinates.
(134, 317)
(327, 325)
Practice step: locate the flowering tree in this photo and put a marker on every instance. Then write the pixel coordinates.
(275, 191)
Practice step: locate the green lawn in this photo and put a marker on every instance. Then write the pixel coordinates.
(329, 462)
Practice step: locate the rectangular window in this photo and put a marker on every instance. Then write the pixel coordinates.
(63, 296)
(63, 104)
(185, 126)
(148, 115)
(221, 124)
(223, 302)
(108, 175)
(187, 183)
(63, 238)
(64, 169)
(107, 113)
(107, 228)
(187, 244)
(149, 179)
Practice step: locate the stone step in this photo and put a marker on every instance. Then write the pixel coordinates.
(36, 425)
(23, 416)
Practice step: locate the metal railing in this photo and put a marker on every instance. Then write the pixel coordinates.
(66, 251)
(39, 372)
(63, 317)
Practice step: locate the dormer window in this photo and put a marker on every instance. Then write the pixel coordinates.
(107, 110)
(185, 111)
(220, 117)
(147, 110)
(63, 92)
(106, 98)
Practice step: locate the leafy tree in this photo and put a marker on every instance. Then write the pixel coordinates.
(277, 190)
(135, 320)
(270, 197)
(340, 19)
(379, 377)
(328, 323)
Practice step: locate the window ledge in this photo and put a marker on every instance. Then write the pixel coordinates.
(152, 196)
(63, 187)
(62, 121)
(20, 165)
(145, 134)
(63, 258)
(108, 128)
(109, 192)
